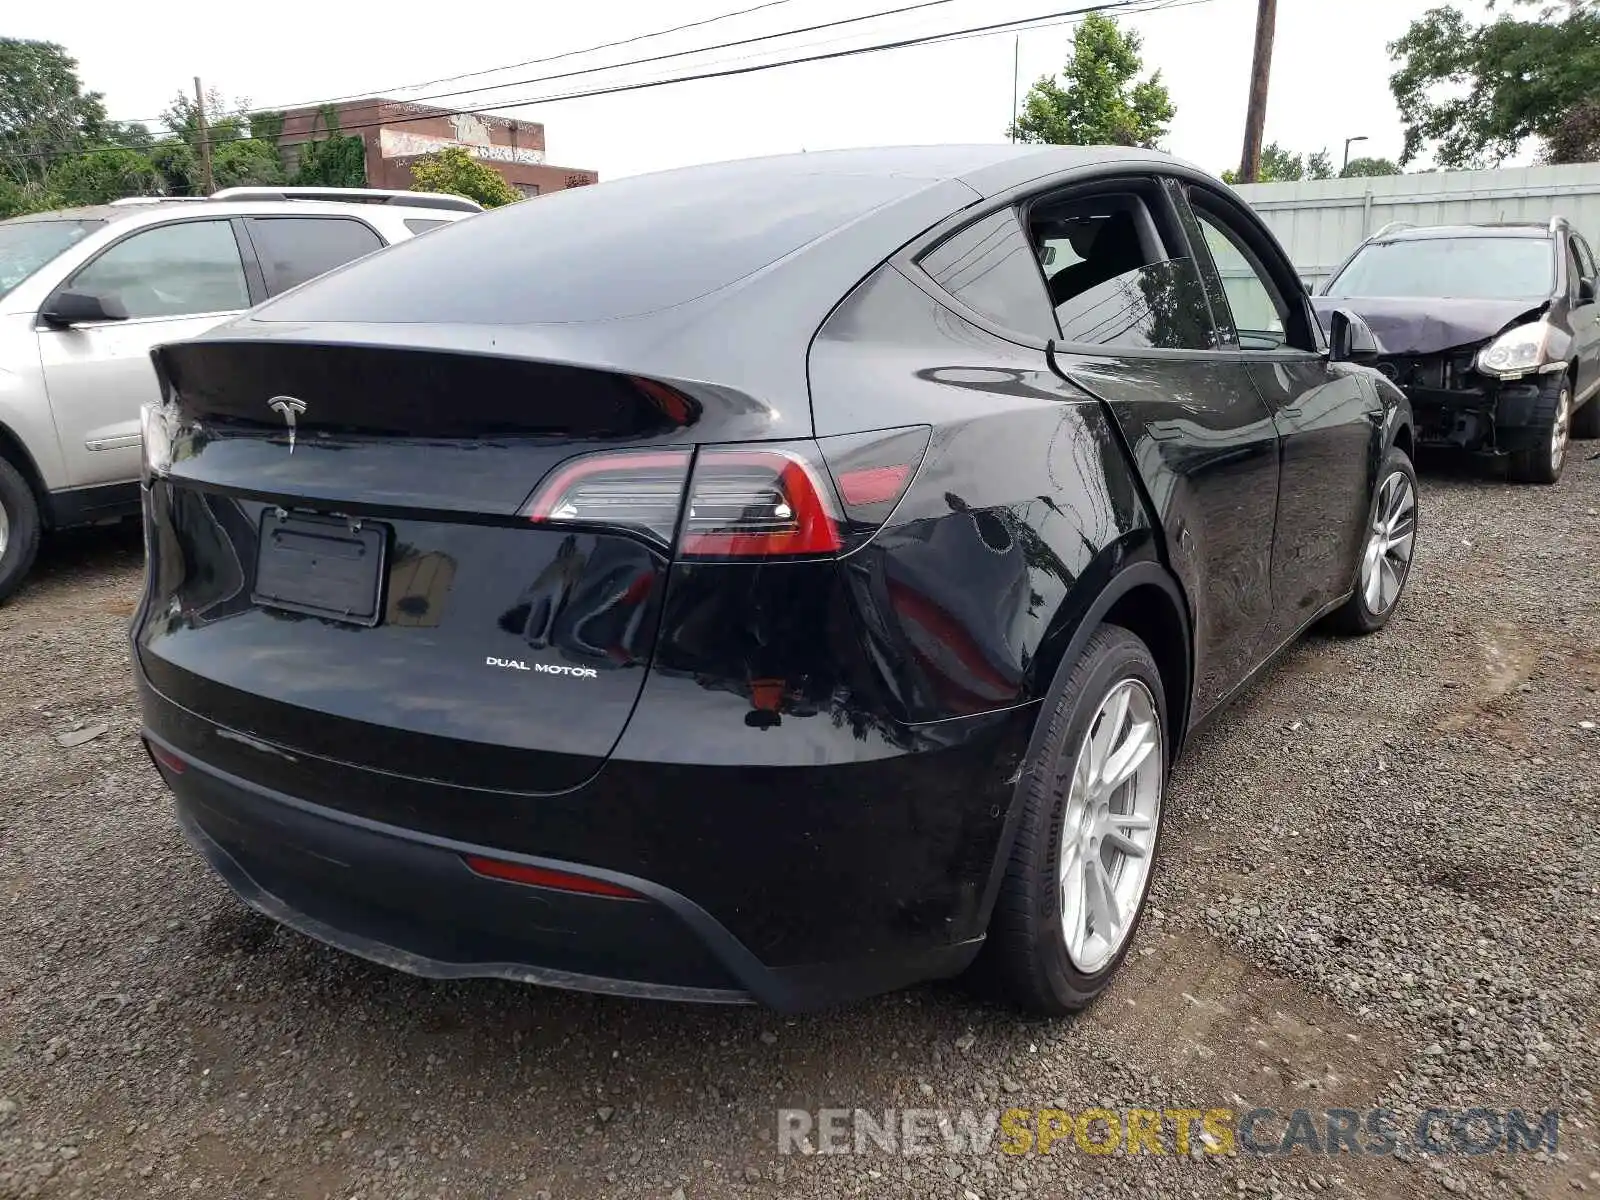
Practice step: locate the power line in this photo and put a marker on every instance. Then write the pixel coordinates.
(639, 62)
(405, 87)
(1042, 20)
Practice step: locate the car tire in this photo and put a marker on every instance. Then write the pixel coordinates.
(1552, 421)
(1586, 420)
(1027, 959)
(19, 528)
(1390, 541)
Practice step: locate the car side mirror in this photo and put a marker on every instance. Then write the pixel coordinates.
(1586, 291)
(1349, 338)
(77, 308)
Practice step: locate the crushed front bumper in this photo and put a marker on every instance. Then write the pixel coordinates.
(1457, 407)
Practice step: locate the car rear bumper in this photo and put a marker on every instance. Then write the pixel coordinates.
(405, 897)
(412, 903)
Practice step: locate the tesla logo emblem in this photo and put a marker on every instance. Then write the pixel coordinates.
(288, 408)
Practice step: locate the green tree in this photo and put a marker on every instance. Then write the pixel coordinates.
(1100, 100)
(101, 176)
(1284, 166)
(1474, 94)
(19, 198)
(246, 161)
(1367, 168)
(177, 167)
(224, 122)
(331, 161)
(1577, 137)
(454, 170)
(45, 114)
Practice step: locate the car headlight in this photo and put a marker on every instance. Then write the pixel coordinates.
(155, 437)
(1518, 351)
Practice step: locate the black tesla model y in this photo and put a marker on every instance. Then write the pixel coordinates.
(781, 580)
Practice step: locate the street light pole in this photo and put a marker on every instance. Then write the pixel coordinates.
(1347, 142)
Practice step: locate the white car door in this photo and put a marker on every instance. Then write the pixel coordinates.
(174, 281)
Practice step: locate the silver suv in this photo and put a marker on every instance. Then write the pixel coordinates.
(85, 293)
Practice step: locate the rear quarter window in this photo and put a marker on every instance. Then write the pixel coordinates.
(992, 268)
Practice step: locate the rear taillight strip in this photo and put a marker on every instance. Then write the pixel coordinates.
(774, 500)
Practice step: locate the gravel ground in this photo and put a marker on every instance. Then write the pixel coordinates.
(1380, 885)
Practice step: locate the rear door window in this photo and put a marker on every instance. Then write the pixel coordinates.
(990, 267)
(1258, 310)
(1585, 256)
(184, 269)
(295, 249)
(1110, 278)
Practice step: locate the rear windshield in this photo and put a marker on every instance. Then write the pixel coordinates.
(25, 246)
(618, 249)
(1468, 268)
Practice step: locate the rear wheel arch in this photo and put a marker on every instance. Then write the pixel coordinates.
(1144, 598)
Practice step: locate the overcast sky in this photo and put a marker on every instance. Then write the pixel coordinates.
(1329, 74)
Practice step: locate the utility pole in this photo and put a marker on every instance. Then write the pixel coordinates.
(206, 181)
(1016, 69)
(1256, 117)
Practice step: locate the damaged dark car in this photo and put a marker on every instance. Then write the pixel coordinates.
(1491, 330)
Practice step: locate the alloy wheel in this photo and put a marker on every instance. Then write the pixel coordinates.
(1108, 830)
(1562, 429)
(1387, 558)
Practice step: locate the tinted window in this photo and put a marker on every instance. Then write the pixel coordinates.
(295, 249)
(25, 246)
(1205, 265)
(635, 245)
(990, 267)
(422, 224)
(1575, 270)
(1473, 268)
(1256, 307)
(170, 271)
(1159, 306)
(1585, 256)
(1109, 284)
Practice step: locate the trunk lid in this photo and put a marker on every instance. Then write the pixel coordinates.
(339, 565)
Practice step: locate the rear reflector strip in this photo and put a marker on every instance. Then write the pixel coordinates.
(561, 881)
(167, 759)
(874, 485)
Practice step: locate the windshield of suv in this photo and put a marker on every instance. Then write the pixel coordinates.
(25, 246)
(1471, 268)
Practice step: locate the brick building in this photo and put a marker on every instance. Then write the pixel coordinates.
(397, 132)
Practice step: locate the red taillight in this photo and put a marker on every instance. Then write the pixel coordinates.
(641, 490)
(167, 759)
(746, 503)
(767, 500)
(561, 881)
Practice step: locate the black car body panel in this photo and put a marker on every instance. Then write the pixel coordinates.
(798, 772)
(1431, 343)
